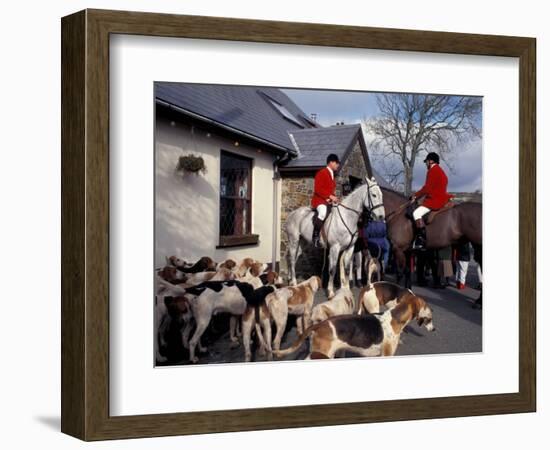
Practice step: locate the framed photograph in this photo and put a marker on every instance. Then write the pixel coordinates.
(273, 225)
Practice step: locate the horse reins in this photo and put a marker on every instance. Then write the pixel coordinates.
(398, 210)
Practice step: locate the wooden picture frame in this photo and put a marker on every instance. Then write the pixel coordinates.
(85, 224)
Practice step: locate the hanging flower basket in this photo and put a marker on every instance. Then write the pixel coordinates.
(191, 163)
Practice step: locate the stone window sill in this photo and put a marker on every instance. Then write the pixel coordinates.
(237, 241)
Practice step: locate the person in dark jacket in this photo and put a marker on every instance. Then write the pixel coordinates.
(375, 233)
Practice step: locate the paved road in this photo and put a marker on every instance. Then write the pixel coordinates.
(458, 329)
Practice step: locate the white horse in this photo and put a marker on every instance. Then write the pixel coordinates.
(340, 229)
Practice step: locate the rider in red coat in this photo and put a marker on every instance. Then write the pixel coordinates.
(324, 190)
(435, 191)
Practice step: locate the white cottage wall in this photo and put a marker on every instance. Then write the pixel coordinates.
(187, 205)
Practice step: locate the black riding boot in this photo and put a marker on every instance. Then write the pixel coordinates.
(420, 240)
(317, 225)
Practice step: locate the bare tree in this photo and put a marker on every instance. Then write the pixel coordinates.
(412, 124)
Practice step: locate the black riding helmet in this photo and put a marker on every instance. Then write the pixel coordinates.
(333, 157)
(433, 157)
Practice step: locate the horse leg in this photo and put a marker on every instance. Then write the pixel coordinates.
(400, 263)
(332, 261)
(292, 257)
(344, 280)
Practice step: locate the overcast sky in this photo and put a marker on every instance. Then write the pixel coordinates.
(353, 107)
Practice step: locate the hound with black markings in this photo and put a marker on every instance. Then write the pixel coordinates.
(214, 297)
(257, 316)
(277, 306)
(269, 278)
(369, 335)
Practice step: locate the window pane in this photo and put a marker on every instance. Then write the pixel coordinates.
(235, 175)
(235, 195)
(234, 216)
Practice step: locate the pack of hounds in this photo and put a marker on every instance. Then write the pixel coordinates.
(259, 306)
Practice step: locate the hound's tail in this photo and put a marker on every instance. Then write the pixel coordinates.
(174, 288)
(298, 343)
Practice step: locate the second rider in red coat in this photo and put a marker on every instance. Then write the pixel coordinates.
(436, 197)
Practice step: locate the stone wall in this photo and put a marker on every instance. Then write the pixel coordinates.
(297, 191)
(355, 165)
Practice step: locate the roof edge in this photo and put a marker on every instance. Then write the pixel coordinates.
(184, 111)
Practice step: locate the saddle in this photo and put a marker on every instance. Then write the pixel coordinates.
(430, 216)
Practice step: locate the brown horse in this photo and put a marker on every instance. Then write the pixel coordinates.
(460, 224)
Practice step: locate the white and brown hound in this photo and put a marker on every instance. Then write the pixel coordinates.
(381, 293)
(204, 264)
(343, 302)
(171, 274)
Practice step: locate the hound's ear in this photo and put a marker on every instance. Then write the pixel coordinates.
(254, 270)
(419, 303)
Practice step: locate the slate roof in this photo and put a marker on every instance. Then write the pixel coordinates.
(246, 109)
(314, 145)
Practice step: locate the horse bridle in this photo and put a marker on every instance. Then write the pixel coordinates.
(369, 210)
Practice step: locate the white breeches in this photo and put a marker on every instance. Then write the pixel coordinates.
(461, 271)
(420, 211)
(322, 211)
(479, 274)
